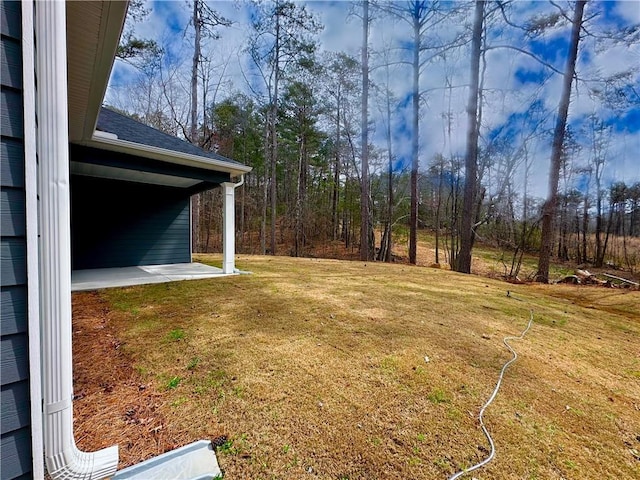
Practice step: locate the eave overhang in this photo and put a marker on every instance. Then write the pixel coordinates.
(169, 156)
(93, 33)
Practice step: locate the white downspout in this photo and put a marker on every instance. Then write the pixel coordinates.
(229, 225)
(63, 459)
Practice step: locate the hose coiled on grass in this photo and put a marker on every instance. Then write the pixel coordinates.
(493, 395)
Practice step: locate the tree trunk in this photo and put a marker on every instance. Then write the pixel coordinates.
(463, 263)
(274, 136)
(193, 133)
(415, 125)
(549, 208)
(585, 226)
(388, 230)
(265, 191)
(300, 200)
(599, 252)
(606, 236)
(194, 72)
(438, 205)
(336, 172)
(364, 199)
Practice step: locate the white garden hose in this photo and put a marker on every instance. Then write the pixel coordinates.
(493, 395)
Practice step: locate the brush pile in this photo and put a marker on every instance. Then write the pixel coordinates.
(584, 277)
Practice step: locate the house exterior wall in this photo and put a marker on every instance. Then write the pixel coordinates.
(117, 224)
(15, 448)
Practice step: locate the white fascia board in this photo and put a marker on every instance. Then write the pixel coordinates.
(31, 196)
(165, 155)
(101, 134)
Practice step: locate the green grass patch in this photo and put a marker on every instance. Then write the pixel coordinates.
(176, 335)
(173, 383)
(438, 396)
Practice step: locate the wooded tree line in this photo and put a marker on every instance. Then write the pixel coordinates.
(304, 119)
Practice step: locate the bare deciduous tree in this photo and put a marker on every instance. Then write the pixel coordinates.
(549, 208)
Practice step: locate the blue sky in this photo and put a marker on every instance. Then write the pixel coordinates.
(513, 82)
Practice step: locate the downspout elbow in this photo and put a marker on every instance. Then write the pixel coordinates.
(240, 183)
(73, 464)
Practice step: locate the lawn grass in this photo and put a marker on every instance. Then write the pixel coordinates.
(317, 368)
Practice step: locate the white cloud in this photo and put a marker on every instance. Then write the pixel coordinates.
(629, 10)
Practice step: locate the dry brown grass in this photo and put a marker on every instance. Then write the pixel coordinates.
(316, 369)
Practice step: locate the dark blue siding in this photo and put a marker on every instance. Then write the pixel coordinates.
(15, 428)
(10, 19)
(12, 399)
(14, 358)
(11, 64)
(13, 261)
(12, 163)
(11, 112)
(13, 310)
(12, 212)
(119, 224)
(15, 464)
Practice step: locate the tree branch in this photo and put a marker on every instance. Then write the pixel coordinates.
(525, 52)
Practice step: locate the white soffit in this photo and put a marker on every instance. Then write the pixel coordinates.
(93, 33)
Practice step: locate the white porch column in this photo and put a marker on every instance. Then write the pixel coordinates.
(63, 459)
(229, 227)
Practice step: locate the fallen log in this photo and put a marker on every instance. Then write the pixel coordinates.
(630, 282)
(583, 273)
(588, 278)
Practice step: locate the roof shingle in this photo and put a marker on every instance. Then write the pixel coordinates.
(131, 130)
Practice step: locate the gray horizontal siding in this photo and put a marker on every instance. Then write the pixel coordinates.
(14, 358)
(13, 261)
(11, 63)
(118, 224)
(13, 398)
(10, 19)
(12, 212)
(11, 113)
(15, 410)
(13, 310)
(16, 454)
(12, 163)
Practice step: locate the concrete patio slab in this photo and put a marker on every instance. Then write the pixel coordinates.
(94, 279)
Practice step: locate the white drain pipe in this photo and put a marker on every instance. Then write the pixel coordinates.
(63, 459)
